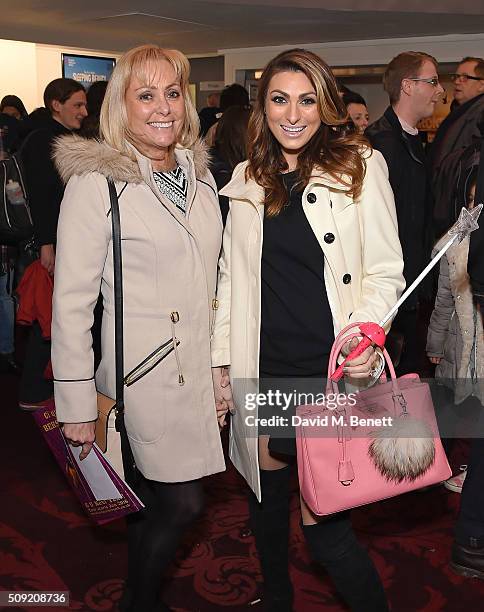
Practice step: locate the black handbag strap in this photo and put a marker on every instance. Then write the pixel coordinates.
(118, 298)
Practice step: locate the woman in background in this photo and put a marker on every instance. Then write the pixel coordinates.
(95, 96)
(13, 106)
(229, 150)
(455, 337)
(357, 110)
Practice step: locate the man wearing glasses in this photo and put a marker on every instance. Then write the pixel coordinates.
(456, 133)
(412, 83)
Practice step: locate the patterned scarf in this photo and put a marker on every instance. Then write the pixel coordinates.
(174, 186)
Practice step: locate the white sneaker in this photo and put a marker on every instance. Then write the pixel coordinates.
(455, 482)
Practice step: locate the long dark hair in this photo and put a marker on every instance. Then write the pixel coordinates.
(16, 102)
(333, 149)
(231, 135)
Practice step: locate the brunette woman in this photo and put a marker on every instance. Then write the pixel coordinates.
(229, 150)
(310, 245)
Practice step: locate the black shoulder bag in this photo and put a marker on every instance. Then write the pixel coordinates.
(105, 404)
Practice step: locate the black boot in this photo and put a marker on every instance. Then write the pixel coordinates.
(270, 526)
(124, 602)
(333, 543)
(468, 560)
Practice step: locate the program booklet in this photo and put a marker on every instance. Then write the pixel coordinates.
(103, 494)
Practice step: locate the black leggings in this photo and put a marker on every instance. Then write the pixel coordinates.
(154, 534)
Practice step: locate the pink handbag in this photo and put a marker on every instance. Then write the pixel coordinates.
(379, 443)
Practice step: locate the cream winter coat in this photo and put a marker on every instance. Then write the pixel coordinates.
(363, 274)
(169, 266)
(455, 331)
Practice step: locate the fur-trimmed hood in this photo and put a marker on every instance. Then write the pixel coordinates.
(74, 155)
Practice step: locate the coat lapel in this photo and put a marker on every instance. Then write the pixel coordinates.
(321, 217)
(249, 191)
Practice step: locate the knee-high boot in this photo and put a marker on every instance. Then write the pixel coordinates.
(332, 543)
(270, 526)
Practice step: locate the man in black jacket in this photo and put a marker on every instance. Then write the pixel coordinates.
(454, 135)
(412, 83)
(66, 100)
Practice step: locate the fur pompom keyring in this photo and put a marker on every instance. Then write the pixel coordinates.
(404, 451)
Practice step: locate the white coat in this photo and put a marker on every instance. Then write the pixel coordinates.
(363, 274)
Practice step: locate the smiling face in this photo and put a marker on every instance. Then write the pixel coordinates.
(359, 116)
(71, 112)
(155, 113)
(292, 113)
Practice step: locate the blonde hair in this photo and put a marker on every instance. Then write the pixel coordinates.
(143, 63)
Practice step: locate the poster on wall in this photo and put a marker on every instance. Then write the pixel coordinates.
(87, 69)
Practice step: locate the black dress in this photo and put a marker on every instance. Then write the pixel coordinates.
(296, 321)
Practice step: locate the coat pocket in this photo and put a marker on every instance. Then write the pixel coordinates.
(150, 362)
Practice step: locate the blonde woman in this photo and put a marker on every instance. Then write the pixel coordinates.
(310, 245)
(171, 234)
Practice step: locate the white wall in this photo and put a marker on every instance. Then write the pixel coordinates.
(18, 71)
(375, 97)
(448, 48)
(26, 68)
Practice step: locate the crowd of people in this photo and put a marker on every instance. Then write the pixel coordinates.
(251, 235)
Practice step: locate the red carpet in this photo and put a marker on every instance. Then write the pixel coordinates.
(47, 544)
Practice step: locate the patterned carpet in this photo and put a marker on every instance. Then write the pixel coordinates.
(46, 543)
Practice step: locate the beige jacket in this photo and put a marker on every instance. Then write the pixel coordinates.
(455, 331)
(169, 266)
(363, 274)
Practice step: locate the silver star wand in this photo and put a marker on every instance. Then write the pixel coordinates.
(465, 224)
(374, 333)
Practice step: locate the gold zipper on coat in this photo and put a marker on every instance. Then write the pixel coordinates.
(214, 314)
(175, 317)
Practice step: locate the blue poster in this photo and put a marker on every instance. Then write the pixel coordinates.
(86, 69)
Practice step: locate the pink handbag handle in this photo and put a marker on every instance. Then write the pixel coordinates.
(341, 339)
(346, 473)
